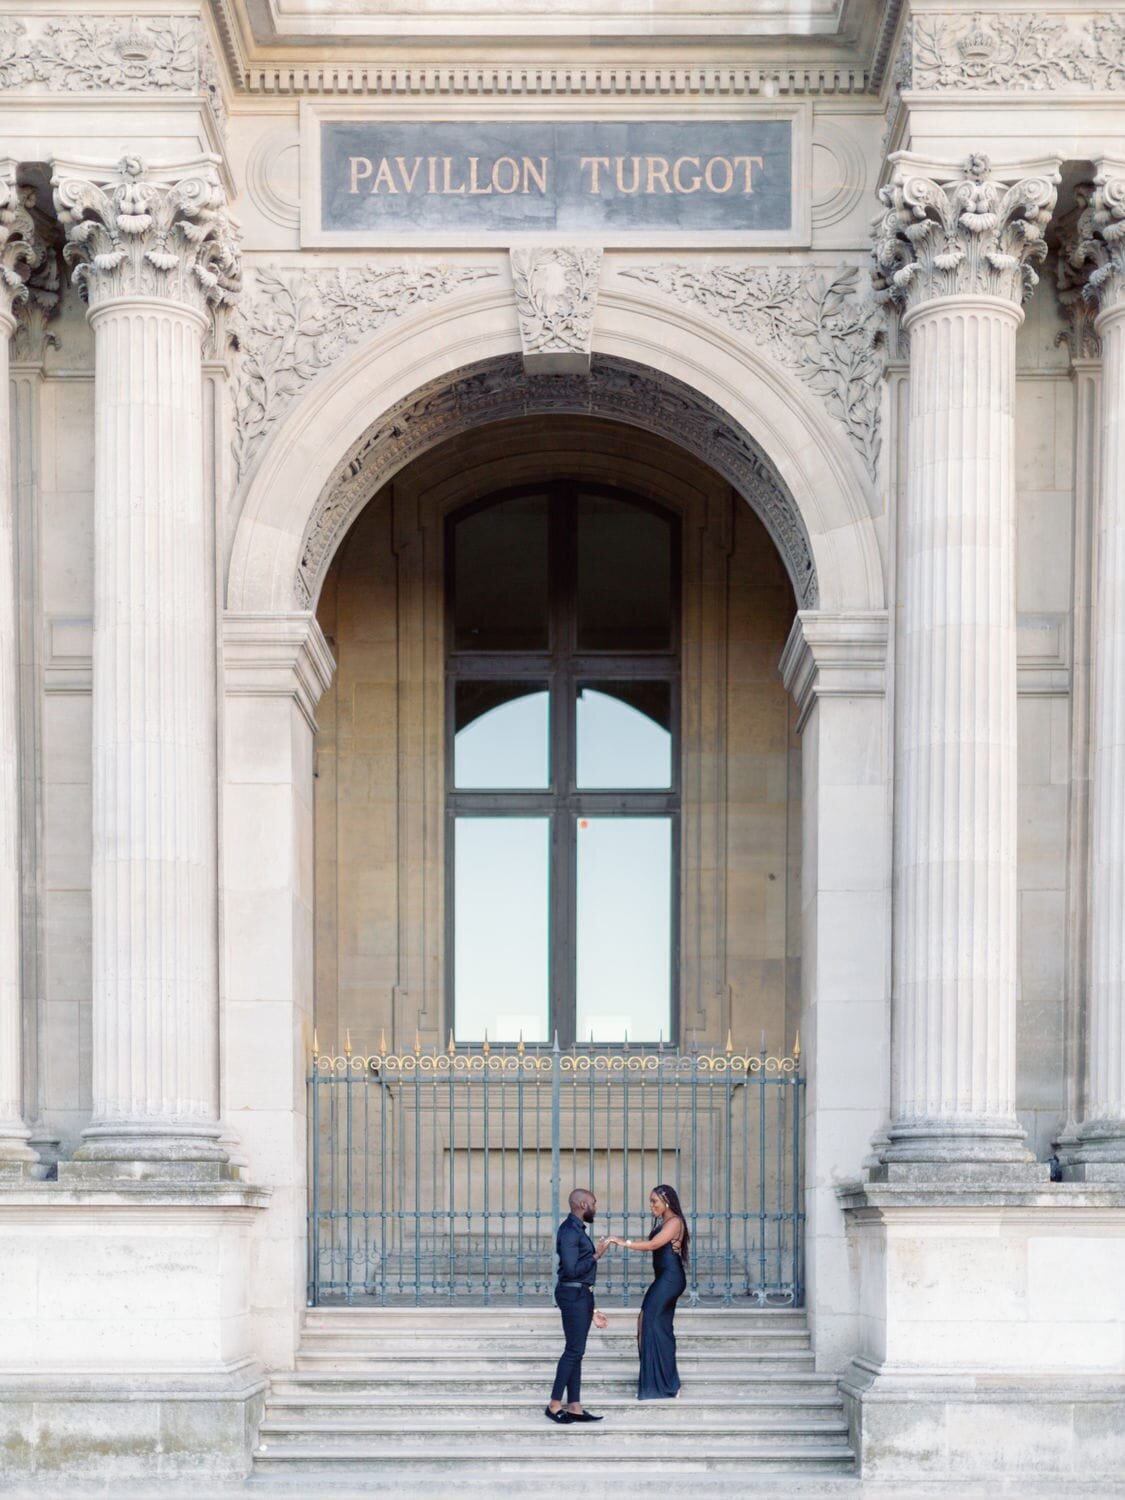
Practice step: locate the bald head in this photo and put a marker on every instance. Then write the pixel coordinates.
(583, 1204)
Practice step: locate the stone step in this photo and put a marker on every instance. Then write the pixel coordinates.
(546, 1460)
(596, 1361)
(412, 1386)
(405, 1405)
(366, 1345)
(474, 1433)
(537, 1314)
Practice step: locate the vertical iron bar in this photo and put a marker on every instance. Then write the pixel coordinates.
(695, 1170)
(485, 1257)
(383, 1195)
(762, 1284)
(348, 1158)
(729, 1248)
(798, 1289)
(451, 1215)
(417, 1190)
(779, 1185)
(625, 1162)
(314, 1216)
(556, 1165)
(519, 1181)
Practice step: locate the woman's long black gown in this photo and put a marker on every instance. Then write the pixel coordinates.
(656, 1337)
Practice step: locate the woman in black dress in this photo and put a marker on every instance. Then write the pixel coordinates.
(656, 1338)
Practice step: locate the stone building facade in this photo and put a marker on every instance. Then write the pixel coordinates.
(285, 287)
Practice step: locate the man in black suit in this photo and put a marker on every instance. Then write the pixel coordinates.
(574, 1298)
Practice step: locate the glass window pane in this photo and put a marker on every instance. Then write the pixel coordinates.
(500, 577)
(624, 577)
(624, 978)
(624, 734)
(501, 738)
(500, 934)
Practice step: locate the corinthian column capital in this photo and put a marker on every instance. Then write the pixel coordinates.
(1092, 254)
(21, 247)
(971, 230)
(139, 232)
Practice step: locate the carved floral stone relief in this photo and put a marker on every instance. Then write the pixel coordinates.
(87, 54)
(824, 329)
(1019, 52)
(1091, 267)
(556, 290)
(498, 390)
(291, 325)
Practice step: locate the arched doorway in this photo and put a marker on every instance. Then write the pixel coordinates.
(557, 804)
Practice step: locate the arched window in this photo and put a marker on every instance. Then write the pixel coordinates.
(563, 766)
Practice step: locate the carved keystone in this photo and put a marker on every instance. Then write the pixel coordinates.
(556, 291)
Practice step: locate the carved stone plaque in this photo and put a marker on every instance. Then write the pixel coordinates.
(481, 181)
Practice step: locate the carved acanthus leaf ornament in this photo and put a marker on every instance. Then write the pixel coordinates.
(826, 330)
(21, 248)
(88, 54)
(967, 231)
(1098, 245)
(135, 233)
(1019, 53)
(556, 291)
(291, 325)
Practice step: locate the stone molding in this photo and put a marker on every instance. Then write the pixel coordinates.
(498, 389)
(556, 291)
(1092, 258)
(824, 328)
(111, 54)
(22, 248)
(292, 324)
(834, 655)
(1019, 52)
(962, 231)
(987, 1195)
(277, 656)
(134, 233)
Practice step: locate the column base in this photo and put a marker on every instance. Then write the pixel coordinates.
(951, 1151)
(1099, 1154)
(87, 1173)
(991, 1330)
(160, 1149)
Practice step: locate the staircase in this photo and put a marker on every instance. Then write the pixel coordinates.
(387, 1397)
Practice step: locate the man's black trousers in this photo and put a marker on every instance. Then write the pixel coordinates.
(576, 1303)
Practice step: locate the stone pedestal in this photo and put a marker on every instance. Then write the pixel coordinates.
(1100, 1155)
(955, 248)
(154, 252)
(992, 1332)
(20, 249)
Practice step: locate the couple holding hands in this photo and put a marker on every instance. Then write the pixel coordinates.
(574, 1297)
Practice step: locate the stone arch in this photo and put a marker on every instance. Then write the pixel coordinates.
(654, 366)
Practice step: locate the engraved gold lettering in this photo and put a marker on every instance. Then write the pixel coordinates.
(709, 174)
(619, 162)
(512, 172)
(360, 168)
(474, 183)
(431, 174)
(657, 172)
(532, 173)
(677, 175)
(595, 163)
(384, 178)
(447, 175)
(748, 163)
(408, 178)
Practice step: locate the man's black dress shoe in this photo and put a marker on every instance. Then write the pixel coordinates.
(561, 1418)
(583, 1416)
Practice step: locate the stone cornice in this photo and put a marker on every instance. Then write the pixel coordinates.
(832, 654)
(968, 230)
(275, 656)
(136, 233)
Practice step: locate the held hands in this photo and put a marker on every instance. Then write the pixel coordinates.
(600, 1320)
(604, 1244)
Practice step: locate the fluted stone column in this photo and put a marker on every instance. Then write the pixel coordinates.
(955, 247)
(20, 249)
(154, 251)
(1101, 247)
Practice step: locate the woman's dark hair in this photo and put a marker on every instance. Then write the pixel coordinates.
(672, 1198)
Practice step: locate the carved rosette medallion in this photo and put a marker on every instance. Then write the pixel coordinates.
(556, 291)
(21, 247)
(135, 233)
(1092, 254)
(966, 232)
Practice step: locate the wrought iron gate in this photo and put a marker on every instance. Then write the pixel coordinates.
(442, 1176)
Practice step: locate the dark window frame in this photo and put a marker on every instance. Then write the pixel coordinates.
(562, 667)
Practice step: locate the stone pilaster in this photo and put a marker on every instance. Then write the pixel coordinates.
(20, 250)
(1098, 246)
(955, 248)
(154, 253)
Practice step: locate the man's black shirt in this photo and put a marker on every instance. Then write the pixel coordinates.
(576, 1252)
